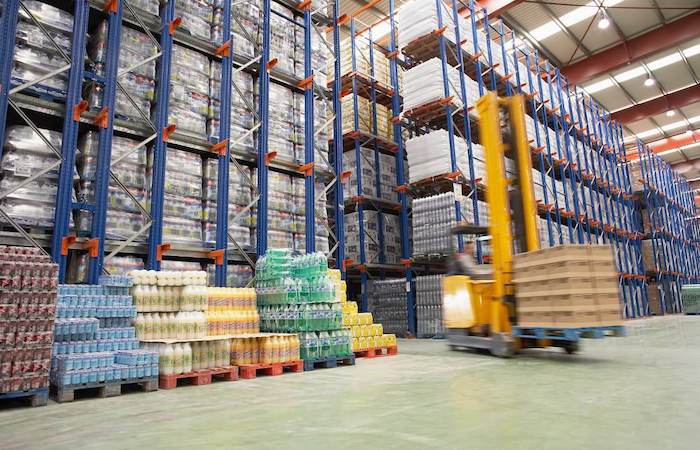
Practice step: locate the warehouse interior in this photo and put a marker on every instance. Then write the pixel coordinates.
(380, 223)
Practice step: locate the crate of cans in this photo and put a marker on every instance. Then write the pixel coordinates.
(28, 281)
(74, 329)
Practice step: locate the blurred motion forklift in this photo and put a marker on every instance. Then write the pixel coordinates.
(479, 305)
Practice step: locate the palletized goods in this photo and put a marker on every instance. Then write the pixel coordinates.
(569, 286)
(28, 281)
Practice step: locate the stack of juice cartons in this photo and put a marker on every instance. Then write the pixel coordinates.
(94, 339)
(365, 333)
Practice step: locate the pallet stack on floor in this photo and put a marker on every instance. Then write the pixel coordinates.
(368, 338)
(172, 321)
(27, 310)
(297, 295)
(95, 344)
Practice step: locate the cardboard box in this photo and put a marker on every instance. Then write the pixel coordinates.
(569, 286)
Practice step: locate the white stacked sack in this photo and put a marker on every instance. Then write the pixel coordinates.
(424, 84)
(418, 18)
(429, 155)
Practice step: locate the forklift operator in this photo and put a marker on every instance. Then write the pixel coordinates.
(467, 265)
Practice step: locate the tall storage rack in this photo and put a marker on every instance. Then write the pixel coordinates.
(71, 114)
(671, 232)
(578, 156)
(362, 134)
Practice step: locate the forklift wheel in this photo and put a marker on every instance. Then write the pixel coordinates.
(502, 345)
(571, 347)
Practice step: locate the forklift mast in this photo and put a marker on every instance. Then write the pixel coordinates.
(511, 201)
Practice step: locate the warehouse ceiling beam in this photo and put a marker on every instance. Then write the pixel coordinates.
(633, 50)
(674, 142)
(658, 105)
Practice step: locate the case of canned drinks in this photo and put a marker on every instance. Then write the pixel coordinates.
(139, 82)
(28, 281)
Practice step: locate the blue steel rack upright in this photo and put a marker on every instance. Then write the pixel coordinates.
(158, 132)
(671, 228)
(365, 134)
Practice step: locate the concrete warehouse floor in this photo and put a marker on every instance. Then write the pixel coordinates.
(641, 391)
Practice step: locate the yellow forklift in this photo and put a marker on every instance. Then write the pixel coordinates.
(479, 307)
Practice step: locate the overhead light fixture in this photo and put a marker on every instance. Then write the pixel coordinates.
(670, 113)
(649, 81)
(604, 21)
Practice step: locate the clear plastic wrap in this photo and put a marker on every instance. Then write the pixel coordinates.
(197, 16)
(119, 225)
(134, 47)
(189, 208)
(429, 155)
(31, 36)
(33, 203)
(131, 170)
(30, 64)
(240, 234)
(187, 121)
(117, 199)
(245, 219)
(48, 16)
(177, 229)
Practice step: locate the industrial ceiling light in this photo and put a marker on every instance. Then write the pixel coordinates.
(604, 21)
(670, 113)
(649, 81)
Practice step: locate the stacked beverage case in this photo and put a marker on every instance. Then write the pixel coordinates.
(295, 294)
(28, 281)
(387, 303)
(365, 333)
(24, 154)
(94, 340)
(429, 306)
(171, 319)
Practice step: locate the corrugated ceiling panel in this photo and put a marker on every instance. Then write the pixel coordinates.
(673, 157)
(635, 21)
(529, 15)
(694, 62)
(691, 110)
(674, 77)
(596, 39)
(560, 46)
(693, 153)
(640, 126)
(662, 120)
(612, 99)
(636, 88)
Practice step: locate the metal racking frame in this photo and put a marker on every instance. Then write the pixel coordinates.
(673, 231)
(367, 86)
(581, 161)
(165, 31)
